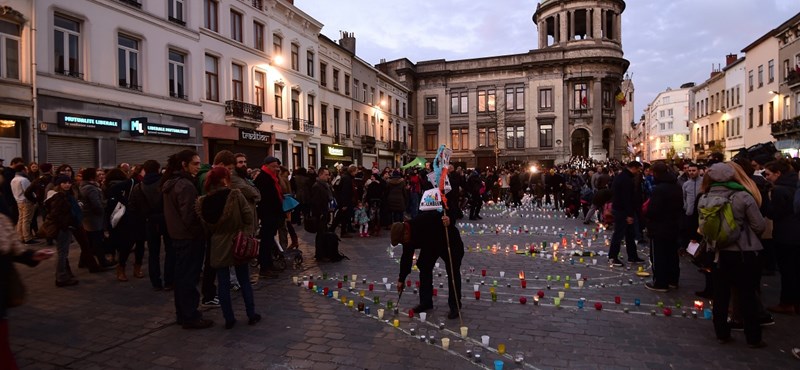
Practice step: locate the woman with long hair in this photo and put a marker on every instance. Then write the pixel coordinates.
(737, 262)
(786, 238)
(225, 213)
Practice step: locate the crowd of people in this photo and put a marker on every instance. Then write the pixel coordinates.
(184, 215)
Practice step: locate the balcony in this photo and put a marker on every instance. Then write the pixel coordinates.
(242, 110)
(788, 128)
(397, 146)
(580, 112)
(338, 138)
(301, 126)
(132, 3)
(67, 73)
(130, 86)
(368, 141)
(176, 20)
(258, 4)
(792, 78)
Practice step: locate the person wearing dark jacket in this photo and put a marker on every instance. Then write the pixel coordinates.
(396, 196)
(426, 232)
(270, 213)
(624, 214)
(320, 205)
(146, 200)
(474, 185)
(663, 219)
(122, 235)
(301, 185)
(60, 214)
(344, 201)
(184, 227)
(786, 238)
(92, 226)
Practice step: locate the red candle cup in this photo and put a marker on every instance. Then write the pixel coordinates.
(408, 283)
(523, 283)
(371, 287)
(667, 311)
(325, 291)
(483, 272)
(417, 283)
(310, 285)
(617, 300)
(411, 313)
(540, 294)
(339, 285)
(477, 294)
(523, 300)
(598, 306)
(435, 292)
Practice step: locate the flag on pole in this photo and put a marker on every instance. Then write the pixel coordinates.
(621, 97)
(584, 101)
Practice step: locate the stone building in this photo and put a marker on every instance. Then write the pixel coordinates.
(787, 130)
(544, 105)
(666, 122)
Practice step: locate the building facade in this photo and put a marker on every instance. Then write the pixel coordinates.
(762, 107)
(787, 130)
(545, 105)
(667, 122)
(17, 80)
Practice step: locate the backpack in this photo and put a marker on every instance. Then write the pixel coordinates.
(327, 247)
(716, 222)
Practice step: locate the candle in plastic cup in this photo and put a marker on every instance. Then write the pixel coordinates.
(485, 340)
(501, 348)
(396, 323)
(380, 314)
(498, 364)
(361, 293)
(476, 287)
(350, 303)
(422, 316)
(502, 274)
(385, 280)
(294, 279)
(352, 285)
(355, 277)
(577, 276)
(336, 294)
(464, 331)
(557, 301)
(580, 283)
(388, 286)
(594, 261)
(446, 343)
(561, 294)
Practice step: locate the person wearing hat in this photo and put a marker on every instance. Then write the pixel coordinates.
(426, 232)
(270, 212)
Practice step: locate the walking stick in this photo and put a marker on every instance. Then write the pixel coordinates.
(452, 277)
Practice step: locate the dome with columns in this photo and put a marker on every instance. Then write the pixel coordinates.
(565, 22)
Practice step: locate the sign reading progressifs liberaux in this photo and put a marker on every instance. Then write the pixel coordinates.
(140, 126)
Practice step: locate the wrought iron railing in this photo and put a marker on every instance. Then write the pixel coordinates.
(240, 109)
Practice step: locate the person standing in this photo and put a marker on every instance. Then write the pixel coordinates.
(320, 208)
(663, 218)
(426, 232)
(624, 214)
(93, 222)
(474, 186)
(24, 205)
(785, 235)
(344, 201)
(691, 190)
(270, 212)
(396, 196)
(225, 213)
(737, 263)
(184, 227)
(121, 235)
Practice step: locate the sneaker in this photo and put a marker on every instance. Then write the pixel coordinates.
(796, 353)
(767, 321)
(673, 286)
(235, 287)
(654, 288)
(211, 303)
(616, 262)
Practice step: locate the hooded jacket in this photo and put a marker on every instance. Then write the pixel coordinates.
(781, 210)
(224, 212)
(93, 208)
(250, 193)
(180, 195)
(396, 194)
(745, 210)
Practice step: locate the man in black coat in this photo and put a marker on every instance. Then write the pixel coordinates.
(270, 213)
(623, 208)
(426, 232)
(344, 201)
(663, 219)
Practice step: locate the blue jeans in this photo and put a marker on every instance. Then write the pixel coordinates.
(622, 230)
(188, 265)
(224, 281)
(156, 229)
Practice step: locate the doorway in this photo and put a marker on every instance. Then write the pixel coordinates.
(580, 143)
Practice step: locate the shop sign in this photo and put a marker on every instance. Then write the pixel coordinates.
(71, 120)
(385, 153)
(335, 151)
(140, 126)
(257, 136)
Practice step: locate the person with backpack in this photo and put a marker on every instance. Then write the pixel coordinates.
(663, 216)
(785, 235)
(730, 222)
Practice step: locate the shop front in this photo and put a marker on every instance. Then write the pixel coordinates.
(386, 159)
(87, 135)
(11, 133)
(256, 145)
(335, 154)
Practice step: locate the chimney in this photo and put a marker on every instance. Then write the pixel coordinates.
(715, 70)
(347, 40)
(730, 59)
(290, 1)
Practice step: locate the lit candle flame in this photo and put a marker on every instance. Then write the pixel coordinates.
(522, 275)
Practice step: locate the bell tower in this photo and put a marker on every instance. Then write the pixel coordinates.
(564, 22)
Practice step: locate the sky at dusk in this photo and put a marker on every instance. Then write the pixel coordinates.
(667, 43)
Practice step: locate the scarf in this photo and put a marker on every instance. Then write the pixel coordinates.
(733, 185)
(278, 189)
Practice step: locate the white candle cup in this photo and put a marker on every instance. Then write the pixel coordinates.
(388, 286)
(594, 261)
(485, 340)
(335, 294)
(446, 343)
(385, 280)
(436, 265)
(464, 331)
(355, 277)
(477, 287)
(380, 312)
(561, 294)
(580, 283)
(294, 279)
(578, 276)
(502, 274)
(423, 316)
(352, 285)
